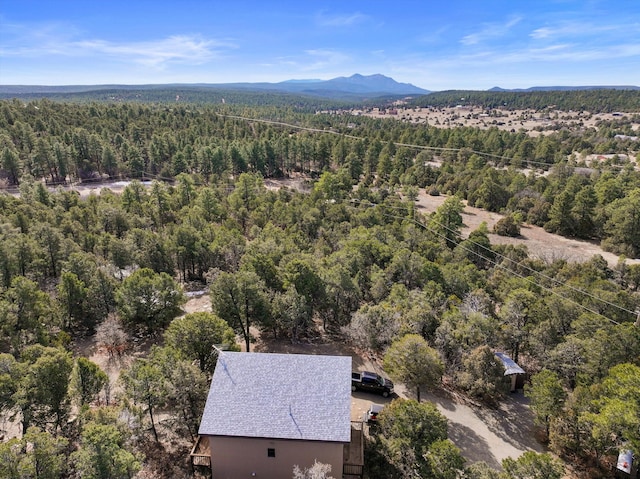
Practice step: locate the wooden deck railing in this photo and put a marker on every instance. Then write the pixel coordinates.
(354, 452)
(200, 454)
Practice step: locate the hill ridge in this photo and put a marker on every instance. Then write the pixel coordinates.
(357, 84)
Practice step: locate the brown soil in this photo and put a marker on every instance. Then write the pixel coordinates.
(481, 433)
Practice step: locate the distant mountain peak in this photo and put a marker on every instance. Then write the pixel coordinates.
(356, 87)
(376, 83)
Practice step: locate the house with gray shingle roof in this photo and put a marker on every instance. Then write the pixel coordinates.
(267, 412)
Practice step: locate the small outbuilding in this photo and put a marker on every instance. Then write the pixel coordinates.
(512, 369)
(268, 412)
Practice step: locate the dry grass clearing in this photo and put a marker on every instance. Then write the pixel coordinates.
(531, 121)
(541, 244)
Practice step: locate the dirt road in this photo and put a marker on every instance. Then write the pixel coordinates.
(541, 244)
(489, 435)
(482, 434)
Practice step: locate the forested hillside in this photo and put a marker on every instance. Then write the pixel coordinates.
(184, 95)
(61, 142)
(353, 254)
(593, 100)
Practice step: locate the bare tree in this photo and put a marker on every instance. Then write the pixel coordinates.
(111, 336)
(373, 327)
(319, 470)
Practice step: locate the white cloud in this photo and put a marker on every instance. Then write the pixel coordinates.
(323, 58)
(34, 40)
(558, 53)
(175, 49)
(490, 31)
(544, 32)
(434, 36)
(340, 20)
(57, 39)
(285, 61)
(582, 29)
(313, 60)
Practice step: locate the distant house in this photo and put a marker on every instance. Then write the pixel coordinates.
(626, 137)
(266, 413)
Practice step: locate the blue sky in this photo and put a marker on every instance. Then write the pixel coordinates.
(437, 45)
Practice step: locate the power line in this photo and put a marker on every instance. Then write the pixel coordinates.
(498, 265)
(503, 257)
(556, 281)
(406, 145)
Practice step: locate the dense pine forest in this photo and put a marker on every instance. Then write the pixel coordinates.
(191, 95)
(60, 142)
(593, 100)
(351, 255)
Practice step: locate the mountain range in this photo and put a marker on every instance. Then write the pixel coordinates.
(354, 88)
(369, 86)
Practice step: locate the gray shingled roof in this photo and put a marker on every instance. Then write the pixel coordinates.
(280, 396)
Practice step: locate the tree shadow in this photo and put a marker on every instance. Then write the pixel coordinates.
(512, 421)
(473, 447)
(374, 398)
(442, 398)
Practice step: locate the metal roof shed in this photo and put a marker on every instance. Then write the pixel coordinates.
(511, 368)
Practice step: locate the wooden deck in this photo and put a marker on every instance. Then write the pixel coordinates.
(354, 452)
(200, 454)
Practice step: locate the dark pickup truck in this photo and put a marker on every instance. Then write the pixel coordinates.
(371, 382)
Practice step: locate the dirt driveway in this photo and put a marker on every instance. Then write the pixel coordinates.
(482, 434)
(489, 435)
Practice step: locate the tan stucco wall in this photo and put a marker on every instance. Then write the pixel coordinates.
(238, 458)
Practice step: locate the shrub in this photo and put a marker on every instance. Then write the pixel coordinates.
(507, 226)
